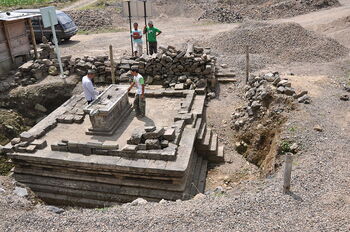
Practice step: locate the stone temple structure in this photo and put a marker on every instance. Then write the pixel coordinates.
(101, 154)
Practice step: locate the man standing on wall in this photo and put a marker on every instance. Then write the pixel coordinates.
(137, 38)
(139, 102)
(152, 33)
(88, 87)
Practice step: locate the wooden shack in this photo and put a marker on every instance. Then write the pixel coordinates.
(14, 39)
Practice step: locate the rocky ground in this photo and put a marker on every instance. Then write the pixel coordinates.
(240, 196)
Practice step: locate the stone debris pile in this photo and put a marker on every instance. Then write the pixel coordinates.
(221, 15)
(266, 95)
(151, 138)
(92, 20)
(181, 69)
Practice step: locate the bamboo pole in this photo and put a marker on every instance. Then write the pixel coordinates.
(33, 38)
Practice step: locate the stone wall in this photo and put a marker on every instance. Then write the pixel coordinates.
(171, 67)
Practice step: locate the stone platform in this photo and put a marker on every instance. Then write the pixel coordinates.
(161, 156)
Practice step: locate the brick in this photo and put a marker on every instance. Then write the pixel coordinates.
(169, 134)
(39, 143)
(31, 148)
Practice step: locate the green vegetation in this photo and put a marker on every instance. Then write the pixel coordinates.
(5, 167)
(285, 147)
(22, 2)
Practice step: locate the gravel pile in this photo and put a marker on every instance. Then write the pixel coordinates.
(221, 15)
(286, 42)
(272, 9)
(92, 20)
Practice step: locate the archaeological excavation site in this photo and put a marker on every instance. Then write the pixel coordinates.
(159, 115)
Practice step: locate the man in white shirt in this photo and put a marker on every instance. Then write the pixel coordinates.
(136, 35)
(139, 102)
(89, 90)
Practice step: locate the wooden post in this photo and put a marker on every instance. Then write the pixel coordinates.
(287, 173)
(33, 38)
(112, 63)
(247, 64)
(8, 40)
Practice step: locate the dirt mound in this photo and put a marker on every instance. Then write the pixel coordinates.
(282, 43)
(272, 9)
(11, 125)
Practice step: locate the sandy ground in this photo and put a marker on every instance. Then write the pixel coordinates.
(320, 198)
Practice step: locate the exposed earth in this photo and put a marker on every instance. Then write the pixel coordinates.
(310, 49)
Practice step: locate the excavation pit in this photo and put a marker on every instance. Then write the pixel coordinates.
(74, 158)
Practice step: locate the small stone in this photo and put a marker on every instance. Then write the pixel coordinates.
(180, 86)
(40, 108)
(289, 91)
(281, 89)
(344, 97)
(199, 196)
(211, 95)
(219, 190)
(2, 191)
(301, 94)
(22, 192)
(26, 136)
(163, 201)
(15, 141)
(150, 128)
(284, 83)
(169, 134)
(55, 209)
(136, 137)
(139, 201)
(318, 128)
(53, 71)
(256, 105)
(294, 147)
(304, 99)
(152, 144)
(164, 143)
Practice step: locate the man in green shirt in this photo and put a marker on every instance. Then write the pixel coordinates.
(139, 102)
(152, 33)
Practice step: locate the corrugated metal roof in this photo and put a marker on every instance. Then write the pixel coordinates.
(11, 16)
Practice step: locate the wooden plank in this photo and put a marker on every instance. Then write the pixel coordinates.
(33, 38)
(8, 41)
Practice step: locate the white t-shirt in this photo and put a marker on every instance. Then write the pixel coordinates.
(89, 90)
(139, 81)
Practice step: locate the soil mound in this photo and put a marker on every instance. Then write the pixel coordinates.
(282, 43)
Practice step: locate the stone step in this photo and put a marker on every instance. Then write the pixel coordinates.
(203, 176)
(198, 125)
(207, 139)
(202, 132)
(214, 144)
(219, 157)
(198, 105)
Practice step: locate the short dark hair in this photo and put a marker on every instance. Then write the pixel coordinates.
(134, 69)
(136, 23)
(91, 71)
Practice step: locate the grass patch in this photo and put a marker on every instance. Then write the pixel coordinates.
(5, 167)
(18, 4)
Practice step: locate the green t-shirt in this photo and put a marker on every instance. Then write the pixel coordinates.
(151, 33)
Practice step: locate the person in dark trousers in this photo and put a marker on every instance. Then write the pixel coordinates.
(152, 33)
(139, 102)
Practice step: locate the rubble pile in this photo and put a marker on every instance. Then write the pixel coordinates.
(170, 67)
(92, 20)
(221, 15)
(266, 95)
(152, 138)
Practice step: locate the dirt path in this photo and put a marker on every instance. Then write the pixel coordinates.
(79, 4)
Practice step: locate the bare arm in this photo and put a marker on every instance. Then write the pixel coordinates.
(132, 85)
(143, 91)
